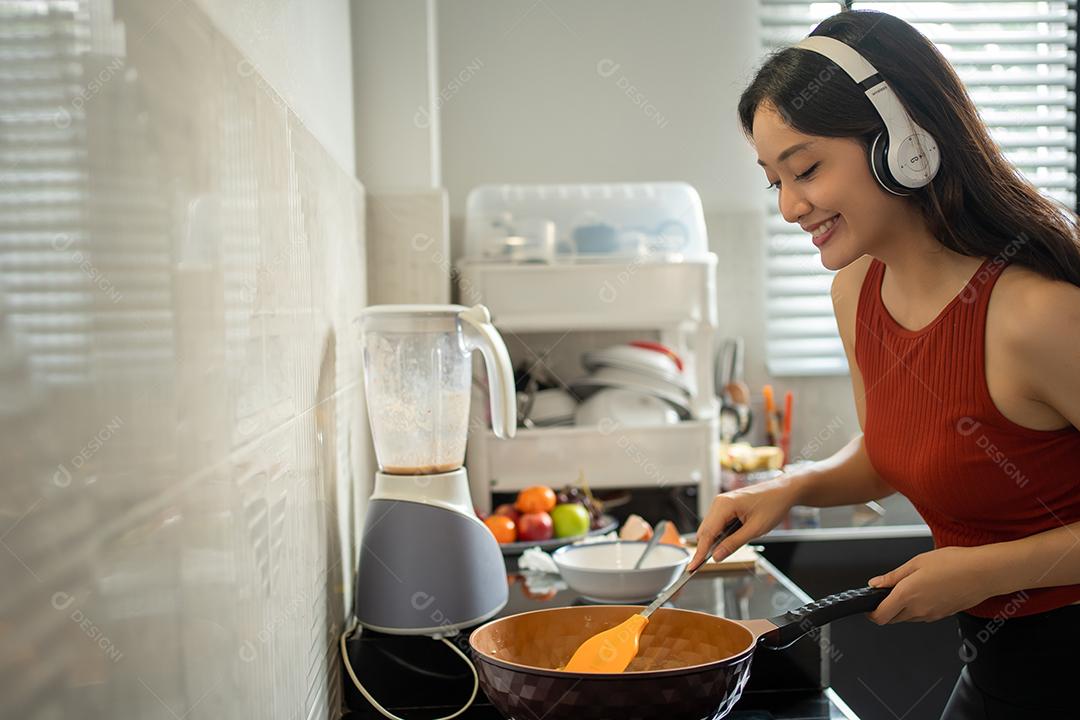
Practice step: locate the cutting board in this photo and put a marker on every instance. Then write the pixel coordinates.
(745, 558)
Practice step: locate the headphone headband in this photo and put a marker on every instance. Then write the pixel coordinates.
(907, 157)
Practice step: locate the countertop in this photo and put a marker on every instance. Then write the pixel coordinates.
(421, 678)
(891, 517)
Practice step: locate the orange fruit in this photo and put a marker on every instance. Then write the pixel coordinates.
(635, 528)
(537, 498)
(671, 536)
(503, 528)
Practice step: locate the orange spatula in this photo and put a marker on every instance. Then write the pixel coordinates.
(610, 651)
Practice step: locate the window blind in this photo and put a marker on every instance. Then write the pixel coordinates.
(1018, 62)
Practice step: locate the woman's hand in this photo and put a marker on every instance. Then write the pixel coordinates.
(760, 507)
(934, 585)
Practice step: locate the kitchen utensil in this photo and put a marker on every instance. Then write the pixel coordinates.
(740, 393)
(723, 367)
(418, 378)
(729, 415)
(785, 436)
(525, 400)
(629, 408)
(735, 416)
(658, 532)
(771, 430)
(690, 664)
(607, 524)
(612, 650)
(604, 572)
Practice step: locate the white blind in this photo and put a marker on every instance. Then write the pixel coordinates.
(1018, 61)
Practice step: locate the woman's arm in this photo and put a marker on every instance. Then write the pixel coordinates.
(846, 478)
(1047, 559)
(1042, 332)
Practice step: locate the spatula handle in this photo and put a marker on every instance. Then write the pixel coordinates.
(730, 528)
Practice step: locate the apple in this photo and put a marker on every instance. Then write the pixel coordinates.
(508, 510)
(533, 527)
(570, 519)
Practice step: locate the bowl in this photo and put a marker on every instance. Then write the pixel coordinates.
(690, 665)
(629, 408)
(552, 406)
(604, 571)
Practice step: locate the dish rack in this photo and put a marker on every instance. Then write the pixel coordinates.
(546, 274)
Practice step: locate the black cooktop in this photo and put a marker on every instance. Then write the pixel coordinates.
(421, 678)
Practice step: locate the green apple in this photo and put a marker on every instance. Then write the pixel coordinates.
(570, 519)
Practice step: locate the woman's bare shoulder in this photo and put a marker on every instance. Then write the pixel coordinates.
(1028, 305)
(1035, 320)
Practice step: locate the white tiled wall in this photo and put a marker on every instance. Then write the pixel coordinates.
(181, 422)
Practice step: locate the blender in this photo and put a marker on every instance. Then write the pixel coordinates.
(428, 565)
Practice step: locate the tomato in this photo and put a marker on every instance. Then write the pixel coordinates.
(535, 499)
(503, 528)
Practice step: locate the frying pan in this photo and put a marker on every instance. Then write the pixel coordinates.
(691, 665)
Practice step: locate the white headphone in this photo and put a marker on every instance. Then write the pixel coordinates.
(899, 167)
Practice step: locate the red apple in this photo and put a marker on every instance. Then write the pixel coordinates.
(508, 510)
(535, 526)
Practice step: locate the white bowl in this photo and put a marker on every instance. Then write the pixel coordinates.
(629, 408)
(552, 405)
(605, 571)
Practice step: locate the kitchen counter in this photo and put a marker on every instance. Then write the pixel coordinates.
(421, 678)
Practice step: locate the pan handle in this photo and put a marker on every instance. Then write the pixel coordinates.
(793, 624)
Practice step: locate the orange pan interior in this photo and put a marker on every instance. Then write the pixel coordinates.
(673, 639)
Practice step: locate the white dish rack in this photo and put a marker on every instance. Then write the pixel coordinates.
(674, 296)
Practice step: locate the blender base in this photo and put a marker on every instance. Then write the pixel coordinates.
(428, 565)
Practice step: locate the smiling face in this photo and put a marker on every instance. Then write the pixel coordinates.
(821, 179)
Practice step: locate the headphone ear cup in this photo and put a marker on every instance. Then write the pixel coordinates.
(879, 165)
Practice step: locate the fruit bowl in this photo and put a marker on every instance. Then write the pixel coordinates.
(605, 571)
(607, 524)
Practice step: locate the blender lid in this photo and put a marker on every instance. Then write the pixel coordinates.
(413, 310)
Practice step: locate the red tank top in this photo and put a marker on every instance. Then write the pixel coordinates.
(934, 434)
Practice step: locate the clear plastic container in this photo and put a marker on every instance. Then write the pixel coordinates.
(582, 223)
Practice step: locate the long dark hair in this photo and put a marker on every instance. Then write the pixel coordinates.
(978, 204)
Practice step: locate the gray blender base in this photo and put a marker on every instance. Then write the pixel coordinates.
(425, 569)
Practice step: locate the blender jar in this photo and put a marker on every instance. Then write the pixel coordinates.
(418, 379)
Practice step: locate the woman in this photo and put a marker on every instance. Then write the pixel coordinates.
(959, 309)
